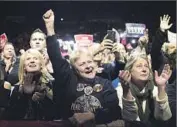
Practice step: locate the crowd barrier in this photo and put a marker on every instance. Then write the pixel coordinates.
(4, 123)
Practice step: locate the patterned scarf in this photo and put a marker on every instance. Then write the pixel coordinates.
(140, 97)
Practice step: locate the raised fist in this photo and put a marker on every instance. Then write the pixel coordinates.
(48, 17)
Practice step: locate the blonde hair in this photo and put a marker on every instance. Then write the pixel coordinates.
(77, 53)
(165, 46)
(45, 78)
(133, 59)
(135, 54)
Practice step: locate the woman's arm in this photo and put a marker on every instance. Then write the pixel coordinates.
(129, 107)
(127, 101)
(158, 59)
(162, 109)
(63, 72)
(61, 67)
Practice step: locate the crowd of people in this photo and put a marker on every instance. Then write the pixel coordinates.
(103, 85)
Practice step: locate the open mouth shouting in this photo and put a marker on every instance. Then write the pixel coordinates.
(90, 73)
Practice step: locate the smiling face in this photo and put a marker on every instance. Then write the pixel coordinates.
(32, 63)
(38, 41)
(85, 66)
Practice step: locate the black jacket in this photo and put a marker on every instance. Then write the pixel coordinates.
(22, 107)
(11, 77)
(66, 83)
(158, 57)
(4, 99)
(171, 92)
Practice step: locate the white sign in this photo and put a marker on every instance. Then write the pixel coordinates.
(135, 29)
(83, 40)
(172, 37)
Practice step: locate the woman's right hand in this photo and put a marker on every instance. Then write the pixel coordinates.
(125, 78)
(49, 18)
(164, 23)
(29, 84)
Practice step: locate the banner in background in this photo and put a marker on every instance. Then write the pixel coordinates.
(135, 29)
(83, 40)
(3, 37)
(172, 37)
(66, 47)
(3, 40)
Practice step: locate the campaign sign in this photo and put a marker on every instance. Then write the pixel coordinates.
(172, 37)
(3, 40)
(135, 29)
(83, 40)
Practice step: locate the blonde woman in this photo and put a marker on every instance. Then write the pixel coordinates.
(32, 97)
(80, 94)
(142, 98)
(9, 64)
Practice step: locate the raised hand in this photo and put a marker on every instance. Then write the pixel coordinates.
(164, 76)
(125, 78)
(119, 51)
(105, 44)
(143, 40)
(99, 70)
(110, 36)
(38, 96)
(48, 18)
(29, 84)
(118, 47)
(117, 35)
(22, 51)
(45, 56)
(98, 57)
(164, 23)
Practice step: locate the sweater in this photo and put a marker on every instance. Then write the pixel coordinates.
(68, 90)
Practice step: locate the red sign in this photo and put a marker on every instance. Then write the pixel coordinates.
(3, 40)
(83, 40)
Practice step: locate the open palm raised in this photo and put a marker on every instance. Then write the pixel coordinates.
(164, 76)
(164, 23)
